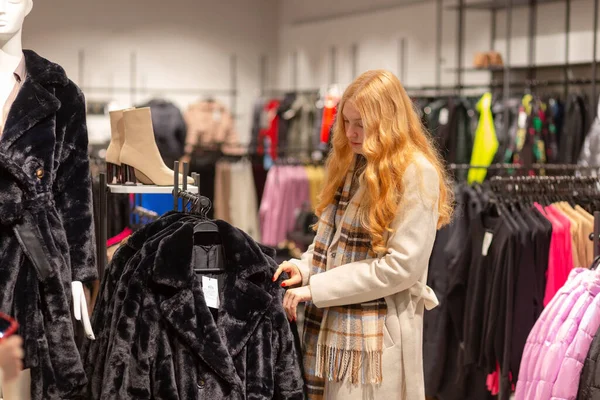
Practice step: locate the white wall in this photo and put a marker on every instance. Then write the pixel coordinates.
(188, 43)
(311, 28)
(179, 44)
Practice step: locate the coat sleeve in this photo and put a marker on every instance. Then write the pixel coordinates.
(73, 189)
(409, 247)
(304, 263)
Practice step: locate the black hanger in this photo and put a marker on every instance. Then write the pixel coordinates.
(210, 251)
(595, 263)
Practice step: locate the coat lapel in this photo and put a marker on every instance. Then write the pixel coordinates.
(244, 301)
(33, 104)
(36, 100)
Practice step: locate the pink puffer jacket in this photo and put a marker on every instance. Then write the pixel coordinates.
(558, 344)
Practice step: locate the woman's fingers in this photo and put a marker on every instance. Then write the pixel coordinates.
(293, 281)
(294, 274)
(287, 304)
(290, 304)
(278, 272)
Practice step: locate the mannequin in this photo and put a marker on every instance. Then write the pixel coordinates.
(11, 53)
(12, 14)
(45, 210)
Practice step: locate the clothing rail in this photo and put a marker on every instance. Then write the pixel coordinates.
(200, 204)
(499, 166)
(500, 85)
(551, 185)
(536, 179)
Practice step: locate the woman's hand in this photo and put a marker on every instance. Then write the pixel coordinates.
(11, 357)
(293, 272)
(293, 297)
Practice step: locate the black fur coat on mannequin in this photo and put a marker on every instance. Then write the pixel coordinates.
(46, 223)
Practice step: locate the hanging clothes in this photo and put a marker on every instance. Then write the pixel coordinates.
(552, 359)
(494, 269)
(284, 123)
(485, 142)
(286, 192)
(170, 130)
(590, 153)
(235, 181)
(289, 190)
(575, 129)
(301, 117)
(210, 124)
(589, 383)
(268, 138)
(183, 342)
(329, 111)
(316, 182)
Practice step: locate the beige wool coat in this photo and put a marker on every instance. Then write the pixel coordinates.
(399, 276)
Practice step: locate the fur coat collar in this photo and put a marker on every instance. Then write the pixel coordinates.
(248, 285)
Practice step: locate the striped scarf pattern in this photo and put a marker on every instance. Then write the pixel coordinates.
(343, 343)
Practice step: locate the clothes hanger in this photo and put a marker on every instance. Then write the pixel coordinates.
(208, 237)
(595, 263)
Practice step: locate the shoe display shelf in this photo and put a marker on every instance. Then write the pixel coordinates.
(137, 189)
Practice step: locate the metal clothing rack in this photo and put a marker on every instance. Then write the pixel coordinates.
(199, 203)
(523, 184)
(536, 166)
(105, 189)
(531, 69)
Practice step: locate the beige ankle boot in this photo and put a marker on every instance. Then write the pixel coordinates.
(140, 158)
(114, 170)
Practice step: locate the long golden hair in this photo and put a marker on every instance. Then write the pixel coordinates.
(393, 135)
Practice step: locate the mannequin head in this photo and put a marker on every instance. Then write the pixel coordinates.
(12, 16)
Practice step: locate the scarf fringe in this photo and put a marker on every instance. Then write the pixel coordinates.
(339, 365)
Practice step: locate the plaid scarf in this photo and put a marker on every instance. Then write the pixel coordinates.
(346, 342)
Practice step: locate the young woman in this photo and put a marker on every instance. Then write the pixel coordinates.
(363, 278)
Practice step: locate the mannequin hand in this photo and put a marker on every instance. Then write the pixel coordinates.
(293, 297)
(292, 271)
(11, 357)
(80, 308)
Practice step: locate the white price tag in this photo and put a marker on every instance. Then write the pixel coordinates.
(487, 241)
(443, 119)
(211, 291)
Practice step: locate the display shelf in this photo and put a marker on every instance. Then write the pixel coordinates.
(522, 67)
(500, 4)
(146, 189)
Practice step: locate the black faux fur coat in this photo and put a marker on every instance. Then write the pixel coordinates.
(157, 339)
(46, 224)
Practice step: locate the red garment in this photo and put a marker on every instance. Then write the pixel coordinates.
(272, 130)
(119, 238)
(493, 381)
(328, 120)
(557, 276)
(329, 111)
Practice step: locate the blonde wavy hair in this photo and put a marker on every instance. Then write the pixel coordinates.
(393, 135)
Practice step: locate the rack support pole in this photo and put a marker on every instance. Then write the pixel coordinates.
(176, 186)
(102, 225)
(594, 62)
(506, 91)
(596, 234)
